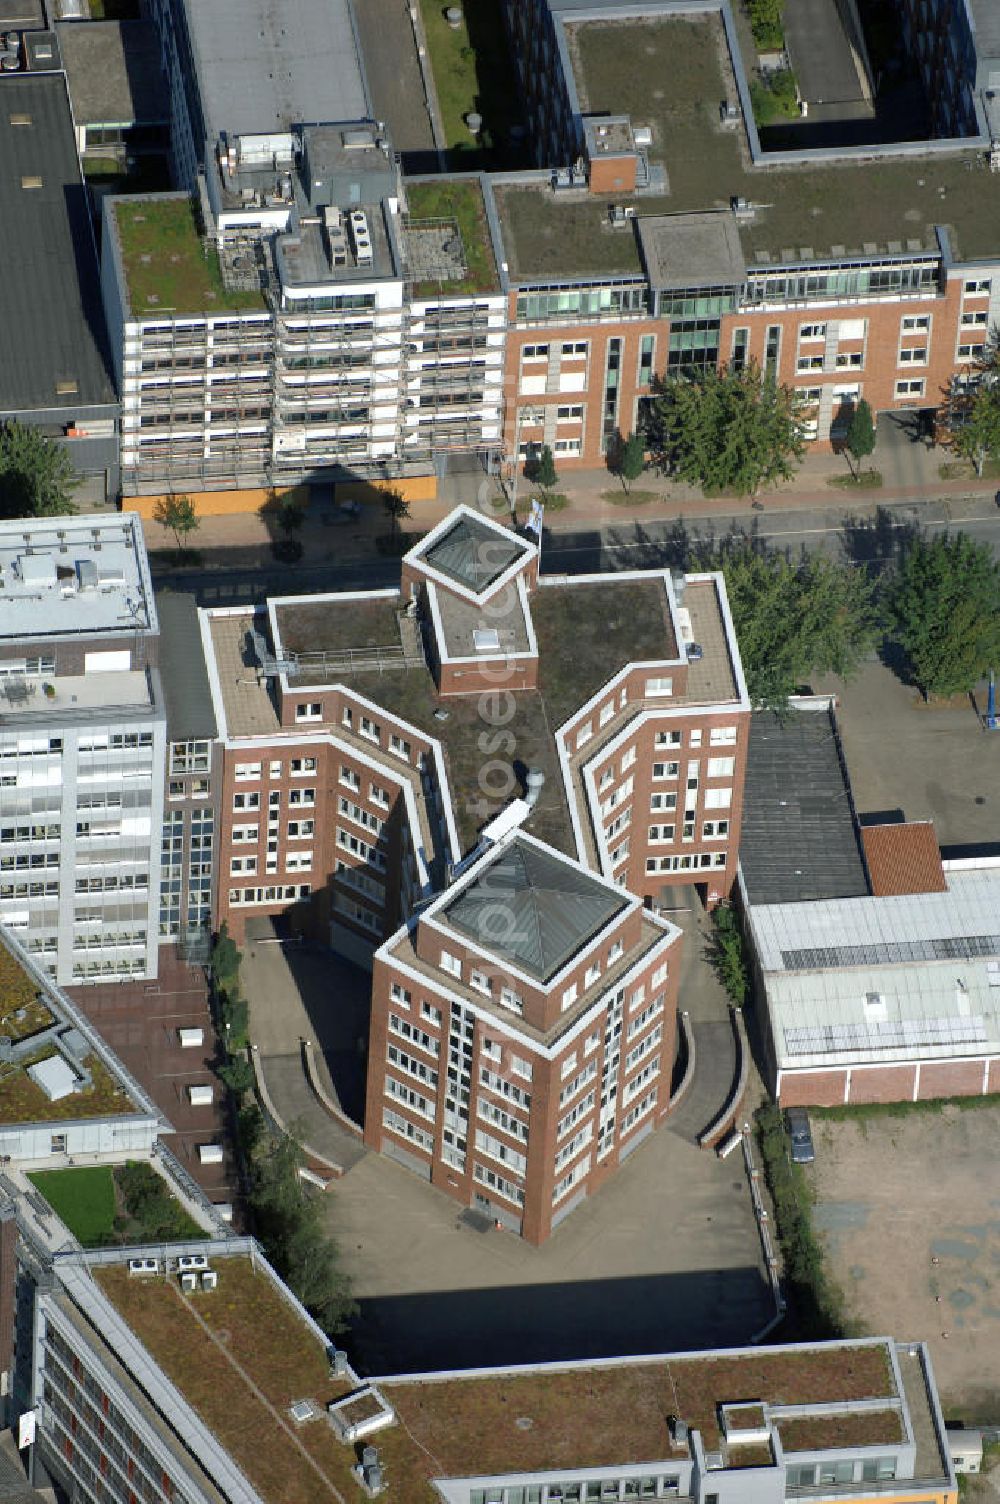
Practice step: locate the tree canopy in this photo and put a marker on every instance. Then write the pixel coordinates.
(793, 618)
(626, 458)
(860, 439)
(731, 431)
(37, 478)
(288, 1221)
(944, 611)
(541, 469)
(177, 513)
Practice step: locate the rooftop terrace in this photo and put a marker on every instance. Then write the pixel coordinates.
(168, 266)
(672, 75)
(241, 1354)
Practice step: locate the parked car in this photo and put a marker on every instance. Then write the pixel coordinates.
(803, 1152)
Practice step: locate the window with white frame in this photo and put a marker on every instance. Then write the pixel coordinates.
(913, 387)
(915, 323)
(480, 981)
(913, 355)
(659, 833)
(451, 964)
(665, 769)
(569, 996)
(246, 801)
(715, 830)
(659, 686)
(247, 771)
(668, 739)
(722, 736)
(718, 798)
(244, 833)
(721, 767)
(309, 711)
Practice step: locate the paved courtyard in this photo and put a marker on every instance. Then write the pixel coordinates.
(665, 1256)
(909, 1210)
(927, 762)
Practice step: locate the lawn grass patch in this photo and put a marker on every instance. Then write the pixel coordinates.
(862, 1112)
(473, 73)
(632, 498)
(105, 1206)
(868, 480)
(966, 470)
(84, 1199)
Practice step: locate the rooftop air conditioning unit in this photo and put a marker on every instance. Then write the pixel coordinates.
(189, 1283)
(209, 1279)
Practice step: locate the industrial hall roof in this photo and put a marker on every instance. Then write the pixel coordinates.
(799, 839)
(533, 909)
(903, 858)
(52, 343)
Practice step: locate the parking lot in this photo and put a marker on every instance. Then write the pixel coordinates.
(923, 761)
(909, 1210)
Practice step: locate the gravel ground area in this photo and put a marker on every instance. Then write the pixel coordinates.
(909, 1210)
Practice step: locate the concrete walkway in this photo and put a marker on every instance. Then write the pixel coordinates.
(707, 1005)
(297, 993)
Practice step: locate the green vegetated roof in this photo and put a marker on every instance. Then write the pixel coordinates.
(671, 74)
(168, 266)
(533, 909)
(461, 200)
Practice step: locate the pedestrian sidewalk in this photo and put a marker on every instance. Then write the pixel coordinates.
(595, 499)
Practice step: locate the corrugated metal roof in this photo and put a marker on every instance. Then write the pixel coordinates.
(903, 858)
(52, 339)
(876, 979)
(798, 839)
(473, 554)
(533, 909)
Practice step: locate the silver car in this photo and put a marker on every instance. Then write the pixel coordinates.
(799, 1132)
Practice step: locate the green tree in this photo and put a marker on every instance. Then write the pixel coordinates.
(726, 955)
(860, 440)
(944, 611)
(793, 618)
(541, 469)
(767, 23)
(626, 458)
(37, 478)
(291, 515)
(225, 963)
(178, 514)
(236, 1074)
(288, 1221)
(729, 431)
(397, 509)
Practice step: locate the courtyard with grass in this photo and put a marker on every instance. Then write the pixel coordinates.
(473, 74)
(460, 202)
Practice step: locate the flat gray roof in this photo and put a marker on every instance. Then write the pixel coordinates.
(52, 344)
(70, 576)
(799, 839)
(986, 20)
(266, 65)
(692, 250)
(113, 68)
(183, 672)
(533, 909)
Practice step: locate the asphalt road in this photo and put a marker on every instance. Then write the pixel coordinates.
(870, 538)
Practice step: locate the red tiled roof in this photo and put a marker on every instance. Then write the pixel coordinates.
(903, 858)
